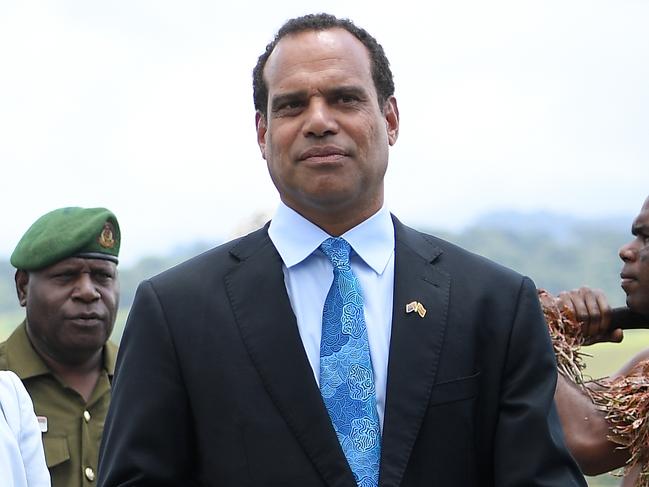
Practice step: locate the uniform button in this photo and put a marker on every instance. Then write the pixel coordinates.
(86, 416)
(90, 474)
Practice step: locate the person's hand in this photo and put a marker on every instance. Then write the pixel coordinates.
(592, 310)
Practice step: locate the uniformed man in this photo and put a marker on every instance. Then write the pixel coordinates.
(66, 279)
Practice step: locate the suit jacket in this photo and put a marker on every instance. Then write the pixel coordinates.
(213, 386)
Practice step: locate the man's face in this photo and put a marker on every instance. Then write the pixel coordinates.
(325, 138)
(71, 307)
(635, 271)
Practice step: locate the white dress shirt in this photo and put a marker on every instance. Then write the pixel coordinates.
(308, 275)
(22, 461)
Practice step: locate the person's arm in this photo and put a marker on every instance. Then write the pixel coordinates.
(21, 446)
(586, 431)
(529, 444)
(147, 438)
(586, 428)
(30, 440)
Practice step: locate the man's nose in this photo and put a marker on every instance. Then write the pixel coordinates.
(628, 252)
(85, 289)
(320, 119)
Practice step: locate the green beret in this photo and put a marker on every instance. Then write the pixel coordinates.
(68, 232)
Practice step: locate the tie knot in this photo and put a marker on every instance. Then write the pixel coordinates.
(337, 249)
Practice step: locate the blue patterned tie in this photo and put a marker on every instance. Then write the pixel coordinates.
(346, 377)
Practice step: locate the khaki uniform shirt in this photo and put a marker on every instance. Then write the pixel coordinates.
(71, 427)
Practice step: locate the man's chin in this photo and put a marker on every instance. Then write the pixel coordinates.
(640, 306)
(86, 345)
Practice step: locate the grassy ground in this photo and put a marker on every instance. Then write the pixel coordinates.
(605, 359)
(608, 357)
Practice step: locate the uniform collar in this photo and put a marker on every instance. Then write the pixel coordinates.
(21, 356)
(296, 238)
(23, 359)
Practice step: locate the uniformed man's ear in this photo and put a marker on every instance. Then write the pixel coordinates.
(21, 278)
(260, 124)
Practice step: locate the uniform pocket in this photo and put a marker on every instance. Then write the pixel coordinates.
(56, 450)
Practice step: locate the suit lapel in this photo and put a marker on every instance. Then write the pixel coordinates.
(269, 331)
(415, 347)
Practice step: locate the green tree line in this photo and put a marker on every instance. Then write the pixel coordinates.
(557, 253)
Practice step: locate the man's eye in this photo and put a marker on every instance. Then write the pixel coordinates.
(64, 276)
(347, 99)
(103, 276)
(289, 106)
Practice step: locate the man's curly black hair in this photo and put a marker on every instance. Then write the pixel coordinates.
(381, 73)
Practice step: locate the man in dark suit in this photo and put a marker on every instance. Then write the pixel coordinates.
(336, 346)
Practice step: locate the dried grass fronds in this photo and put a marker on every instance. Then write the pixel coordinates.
(567, 338)
(624, 400)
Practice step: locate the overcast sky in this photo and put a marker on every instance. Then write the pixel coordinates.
(145, 107)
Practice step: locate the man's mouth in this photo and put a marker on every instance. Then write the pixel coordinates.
(328, 153)
(626, 280)
(86, 318)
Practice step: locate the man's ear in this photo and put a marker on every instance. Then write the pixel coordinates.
(21, 278)
(260, 124)
(391, 114)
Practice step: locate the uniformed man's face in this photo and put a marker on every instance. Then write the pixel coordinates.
(325, 138)
(635, 271)
(71, 307)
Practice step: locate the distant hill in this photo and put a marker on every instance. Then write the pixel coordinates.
(560, 227)
(557, 251)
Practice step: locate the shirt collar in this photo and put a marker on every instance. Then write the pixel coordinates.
(26, 362)
(296, 238)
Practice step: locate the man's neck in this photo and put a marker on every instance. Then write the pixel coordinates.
(81, 377)
(336, 223)
(81, 374)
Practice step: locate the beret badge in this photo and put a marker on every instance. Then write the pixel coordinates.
(106, 238)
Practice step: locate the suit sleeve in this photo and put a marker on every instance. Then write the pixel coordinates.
(30, 440)
(529, 444)
(147, 439)
(22, 461)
